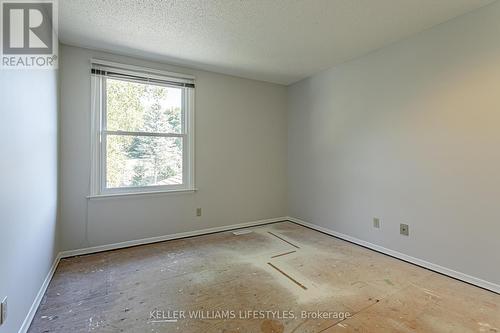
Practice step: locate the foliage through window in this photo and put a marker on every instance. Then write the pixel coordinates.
(144, 133)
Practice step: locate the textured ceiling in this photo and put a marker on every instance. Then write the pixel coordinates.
(280, 41)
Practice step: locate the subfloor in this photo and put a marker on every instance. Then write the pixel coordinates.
(277, 278)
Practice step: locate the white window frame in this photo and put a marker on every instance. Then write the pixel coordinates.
(99, 131)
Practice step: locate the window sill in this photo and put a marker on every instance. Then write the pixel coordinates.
(140, 194)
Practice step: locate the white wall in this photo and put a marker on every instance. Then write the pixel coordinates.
(409, 134)
(28, 192)
(240, 160)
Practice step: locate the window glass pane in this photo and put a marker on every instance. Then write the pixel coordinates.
(138, 107)
(135, 161)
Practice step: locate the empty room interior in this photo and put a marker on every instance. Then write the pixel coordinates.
(260, 166)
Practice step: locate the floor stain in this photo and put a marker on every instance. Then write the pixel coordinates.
(272, 326)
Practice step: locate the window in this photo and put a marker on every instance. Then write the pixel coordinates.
(142, 130)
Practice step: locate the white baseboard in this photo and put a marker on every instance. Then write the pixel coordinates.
(31, 313)
(101, 248)
(437, 268)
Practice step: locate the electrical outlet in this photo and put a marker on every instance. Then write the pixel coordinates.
(404, 229)
(198, 211)
(3, 311)
(376, 222)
